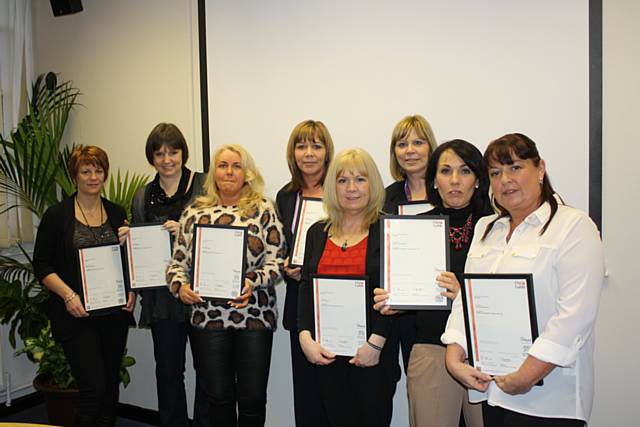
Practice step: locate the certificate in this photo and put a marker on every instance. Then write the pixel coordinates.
(340, 313)
(148, 253)
(500, 320)
(414, 208)
(219, 257)
(102, 277)
(310, 211)
(415, 250)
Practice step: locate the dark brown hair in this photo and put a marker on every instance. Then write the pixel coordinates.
(87, 154)
(505, 150)
(166, 134)
(308, 130)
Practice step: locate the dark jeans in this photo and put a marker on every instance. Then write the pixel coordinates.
(233, 367)
(495, 416)
(94, 354)
(307, 402)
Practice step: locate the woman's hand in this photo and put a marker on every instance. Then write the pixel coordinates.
(380, 297)
(172, 226)
(367, 355)
(468, 376)
(513, 383)
(530, 372)
(449, 282)
(313, 351)
(295, 273)
(187, 296)
(123, 232)
(131, 302)
(74, 306)
(243, 300)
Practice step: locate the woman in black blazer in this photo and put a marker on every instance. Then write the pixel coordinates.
(412, 143)
(93, 344)
(309, 151)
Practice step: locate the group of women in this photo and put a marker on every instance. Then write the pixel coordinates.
(527, 229)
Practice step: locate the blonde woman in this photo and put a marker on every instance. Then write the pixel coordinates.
(309, 151)
(231, 341)
(354, 391)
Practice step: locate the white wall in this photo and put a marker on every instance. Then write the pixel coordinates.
(133, 63)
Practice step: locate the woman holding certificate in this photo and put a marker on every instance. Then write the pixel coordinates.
(561, 247)
(162, 201)
(93, 342)
(309, 151)
(356, 390)
(457, 185)
(231, 339)
(412, 143)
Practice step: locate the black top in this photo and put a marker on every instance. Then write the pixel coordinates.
(151, 204)
(286, 205)
(430, 324)
(316, 241)
(54, 252)
(394, 196)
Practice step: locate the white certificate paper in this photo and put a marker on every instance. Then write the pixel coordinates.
(340, 313)
(102, 277)
(500, 320)
(310, 211)
(415, 250)
(219, 257)
(414, 208)
(148, 253)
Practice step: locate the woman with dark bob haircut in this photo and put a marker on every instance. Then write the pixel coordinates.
(457, 184)
(534, 232)
(93, 343)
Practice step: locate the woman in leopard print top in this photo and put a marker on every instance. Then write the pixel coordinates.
(231, 341)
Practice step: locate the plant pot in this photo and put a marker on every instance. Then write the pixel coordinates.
(59, 401)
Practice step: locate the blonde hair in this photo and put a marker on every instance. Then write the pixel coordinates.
(308, 130)
(251, 193)
(422, 127)
(359, 161)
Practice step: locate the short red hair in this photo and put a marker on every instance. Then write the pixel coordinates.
(87, 154)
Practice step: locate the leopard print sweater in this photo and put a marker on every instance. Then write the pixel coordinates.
(265, 260)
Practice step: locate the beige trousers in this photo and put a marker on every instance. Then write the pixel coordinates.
(435, 398)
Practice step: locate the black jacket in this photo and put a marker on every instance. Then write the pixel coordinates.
(316, 240)
(394, 196)
(286, 204)
(54, 253)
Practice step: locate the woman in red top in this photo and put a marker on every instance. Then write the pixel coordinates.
(355, 391)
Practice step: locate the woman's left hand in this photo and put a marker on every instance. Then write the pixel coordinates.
(243, 300)
(131, 302)
(172, 227)
(530, 372)
(367, 356)
(513, 383)
(123, 232)
(449, 282)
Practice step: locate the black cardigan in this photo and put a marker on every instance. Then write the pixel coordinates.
(54, 253)
(286, 204)
(394, 196)
(316, 241)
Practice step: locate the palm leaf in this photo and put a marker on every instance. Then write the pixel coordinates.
(120, 190)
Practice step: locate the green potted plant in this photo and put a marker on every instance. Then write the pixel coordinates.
(33, 173)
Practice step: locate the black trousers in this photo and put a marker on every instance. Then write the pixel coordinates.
(307, 402)
(402, 337)
(94, 354)
(361, 397)
(495, 416)
(233, 368)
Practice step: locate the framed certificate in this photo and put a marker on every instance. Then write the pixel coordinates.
(148, 251)
(341, 318)
(310, 210)
(414, 250)
(219, 259)
(500, 320)
(414, 208)
(102, 278)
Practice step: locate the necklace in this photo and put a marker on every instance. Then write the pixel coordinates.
(460, 236)
(98, 238)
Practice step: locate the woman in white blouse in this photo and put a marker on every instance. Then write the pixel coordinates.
(561, 247)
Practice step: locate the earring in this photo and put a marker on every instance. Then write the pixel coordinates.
(435, 186)
(540, 181)
(477, 185)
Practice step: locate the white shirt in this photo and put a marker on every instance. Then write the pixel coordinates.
(567, 264)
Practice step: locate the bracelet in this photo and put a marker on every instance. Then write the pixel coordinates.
(69, 297)
(373, 346)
